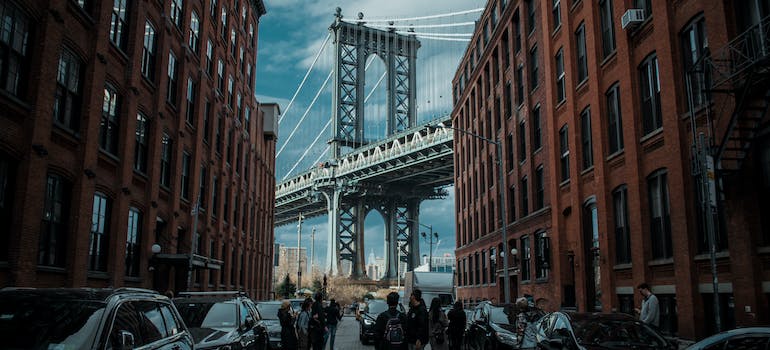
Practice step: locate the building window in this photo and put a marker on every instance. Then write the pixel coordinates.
(220, 76)
(219, 133)
(542, 255)
(522, 142)
(233, 42)
(119, 24)
(484, 272)
(209, 57)
(582, 60)
(213, 9)
(556, 11)
(608, 27)
(614, 119)
(226, 210)
(206, 121)
(660, 220)
(537, 134)
(564, 153)
(148, 52)
(476, 269)
(194, 32)
(239, 107)
(530, 16)
(109, 126)
(512, 203)
(650, 86)
(100, 227)
(230, 91)
(694, 47)
(140, 145)
(645, 5)
(229, 149)
(133, 242)
(214, 196)
(508, 100)
(247, 120)
(533, 69)
(561, 87)
(517, 31)
(172, 77)
(190, 113)
(165, 161)
(510, 152)
(539, 188)
(177, 11)
(7, 189)
(526, 257)
(185, 181)
(622, 231)
(524, 193)
(585, 135)
(202, 188)
(55, 226)
(14, 42)
(223, 30)
(67, 98)
(520, 85)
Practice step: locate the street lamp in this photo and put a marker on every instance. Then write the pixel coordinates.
(501, 190)
(432, 234)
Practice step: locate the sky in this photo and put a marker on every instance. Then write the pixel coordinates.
(290, 37)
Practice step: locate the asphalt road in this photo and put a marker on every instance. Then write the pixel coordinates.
(347, 336)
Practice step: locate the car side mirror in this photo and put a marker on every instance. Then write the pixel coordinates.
(126, 340)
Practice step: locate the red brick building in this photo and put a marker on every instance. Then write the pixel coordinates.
(596, 132)
(116, 120)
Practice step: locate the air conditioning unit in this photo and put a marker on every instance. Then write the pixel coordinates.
(632, 18)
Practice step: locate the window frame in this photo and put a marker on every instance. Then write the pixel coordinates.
(564, 153)
(661, 236)
(149, 46)
(614, 119)
(621, 225)
(141, 148)
(98, 246)
(581, 53)
(194, 37)
(649, 86)
(586, 138)
(58, 197)
(119, 24)
(68, 93)
(109, 127)
(173, 77)
(166, 157)
(134, 242)
(561, 84)
(176, 13)
(607, 26)
(16, 52)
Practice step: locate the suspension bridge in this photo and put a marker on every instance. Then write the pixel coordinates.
(387, 147)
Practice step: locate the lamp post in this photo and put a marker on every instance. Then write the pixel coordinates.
(501, 191)
(432, 234)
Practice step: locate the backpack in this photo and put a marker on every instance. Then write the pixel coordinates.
(394, 331)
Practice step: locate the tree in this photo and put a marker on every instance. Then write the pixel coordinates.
(317, 287)
(286, 289)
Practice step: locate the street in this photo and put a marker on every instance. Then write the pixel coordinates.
(347, 336)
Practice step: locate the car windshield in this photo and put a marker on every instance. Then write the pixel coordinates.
(446, 299)
(268, 311)
(208, 315)
(615, 333)
(28, 322)
(377, 307)
(498, 315)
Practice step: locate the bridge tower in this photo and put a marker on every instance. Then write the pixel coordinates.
(354, 43)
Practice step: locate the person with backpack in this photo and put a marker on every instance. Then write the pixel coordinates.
(303, 325)
(417, 322)
(437, 323)
(317, 323)
(389, 326)
(457, 323)
(333, 316)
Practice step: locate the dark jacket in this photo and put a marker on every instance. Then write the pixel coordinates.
(317, 324)
(417, 324)
(381, 323)
(457, 322)
(288, 333)
(333, 314)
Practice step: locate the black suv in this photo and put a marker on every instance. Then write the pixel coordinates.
(222, 320)
(82, 318)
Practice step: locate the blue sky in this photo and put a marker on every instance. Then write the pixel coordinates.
(290, 35)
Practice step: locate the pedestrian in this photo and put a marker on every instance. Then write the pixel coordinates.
(317, 323)
(457, 323)
(288, 332)
(437, 323)
(389, 326)
(303, 325)
(542, 305)
(650, 312)
(526, 323)
(333, 316)
(417, 322)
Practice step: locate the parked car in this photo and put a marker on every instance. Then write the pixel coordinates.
(741, 338)
(492, 327)
(368, 317)
(82, 318)
(596, 331)
(222, 320)
(268, 310)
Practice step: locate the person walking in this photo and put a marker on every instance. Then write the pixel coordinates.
(650, 312)
(526, 323)
(437, 324)
(417, 322)
(303, 325)
(317, 323)
(288, 332)
(389, 326)
(457, 323)
(333, 316)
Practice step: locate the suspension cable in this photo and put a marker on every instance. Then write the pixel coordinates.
(323, 46)
(414, 18)
(306, 113)
(322, 154)
(443, 38)
(307, 150)
(375, 86)
(459, 24)
(402, 32)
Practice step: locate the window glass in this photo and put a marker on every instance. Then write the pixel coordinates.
(153, 328)
(126, 319)
(172, 325)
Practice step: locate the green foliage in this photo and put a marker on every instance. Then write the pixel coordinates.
(286, 288)
(317, 286)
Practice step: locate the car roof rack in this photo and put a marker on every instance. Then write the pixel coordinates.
(135, 290)
(234, 293)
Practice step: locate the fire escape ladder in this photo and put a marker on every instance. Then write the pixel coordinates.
(743, 127)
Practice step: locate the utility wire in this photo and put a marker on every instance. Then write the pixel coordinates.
(305, 115)
(414, 18)
(305, 78)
